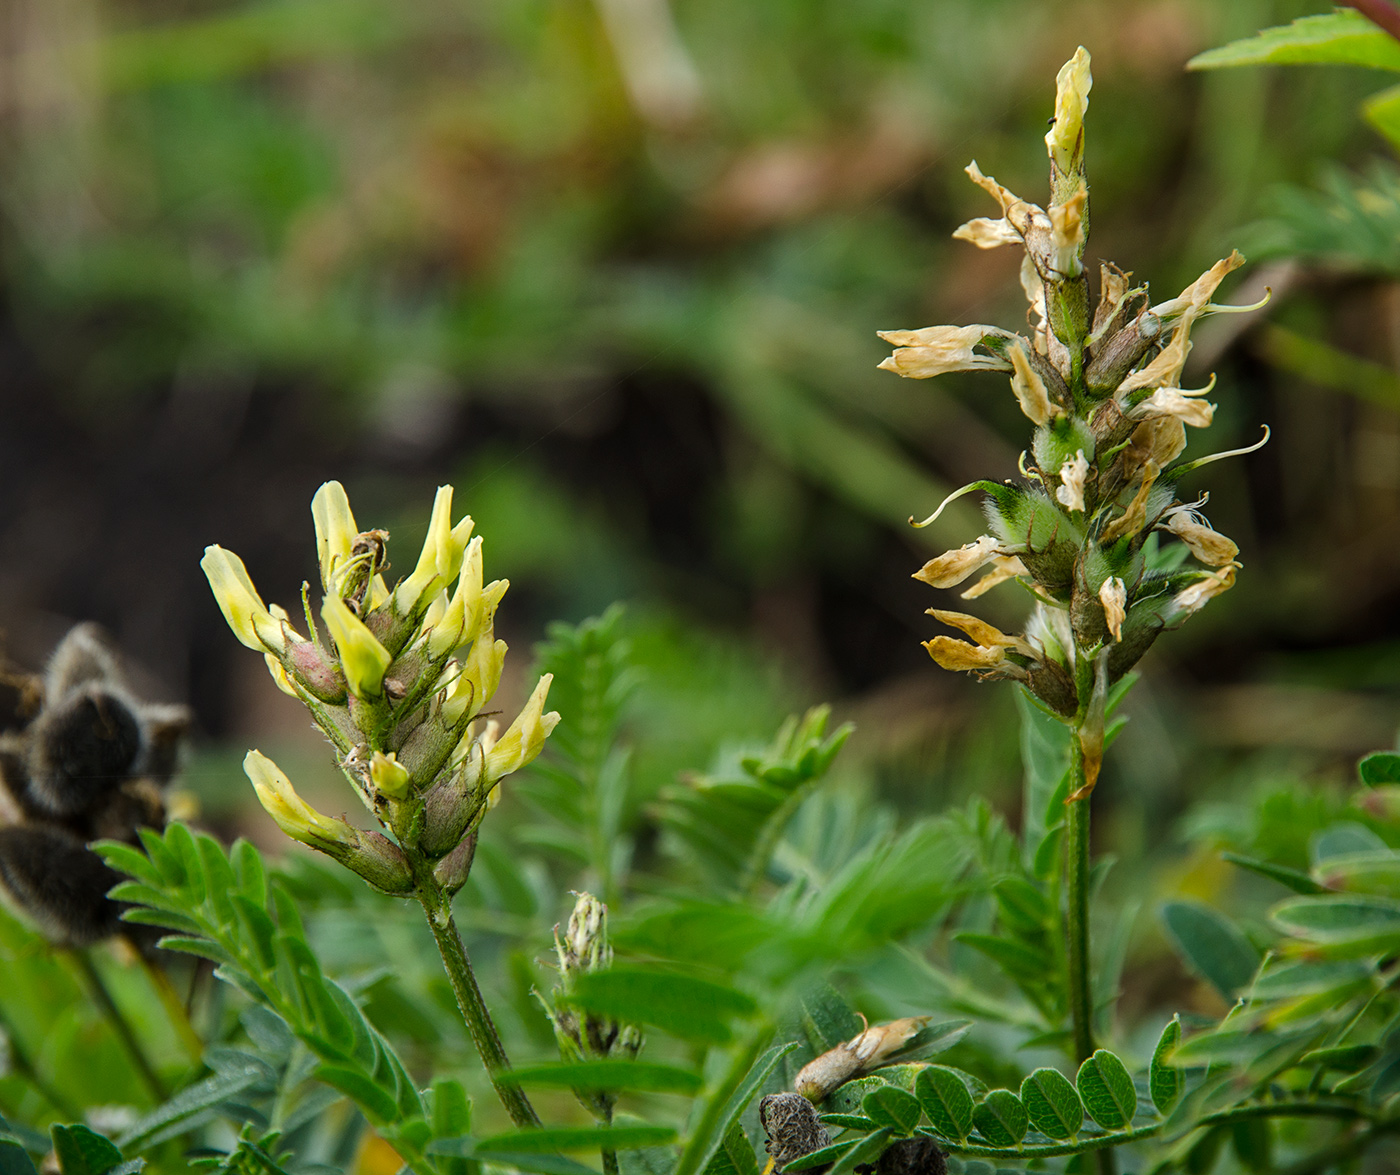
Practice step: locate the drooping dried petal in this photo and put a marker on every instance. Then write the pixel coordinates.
(987, 233)
(1192, 599)
(1067, 234)
(957, 655)
(1113, 595)
(1132, 519)
(1165, 369)
(986, 635)
(1206, 544)
(1028, 387)
(952, 567)
(1173, 402)
(1004, 567)
(1159, 441)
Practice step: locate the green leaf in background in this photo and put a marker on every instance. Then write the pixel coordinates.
(1294, 879)
(893, 1107)
(377, 1102)
(1343, 1058)
(1350, 924)
(946, 1101)
(682, 1005)
(1343, 839)
(1212, 946)
(527, 1142)
(1380, 766)
(537, 1164)
(1374, 872)
(827, 1018)
(1253, 1142)
(1344, 37)
(716, 1120)
(593, 1076)
(80, 1151)
(1001, 1118)
(1106, 1089)
(1052, 1103)
(14, 1160)
(1163, 1079)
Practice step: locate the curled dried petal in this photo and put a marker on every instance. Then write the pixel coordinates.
(952, 567)
(1205, 543)
(1004, 567)
(957, 655)
(1029, 388)
(934, 350)
(1070, 492)
(1113, 595)
(987, 233)
(1132, 519)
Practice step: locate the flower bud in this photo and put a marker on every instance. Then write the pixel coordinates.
(320, 678)
(1065, 139)
(293, 815)
(585, 946)
(362, 657)
(335, 529)
(240, 603)
(441, 557)
(388, 775)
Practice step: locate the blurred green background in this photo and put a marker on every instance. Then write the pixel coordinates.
(614, 269)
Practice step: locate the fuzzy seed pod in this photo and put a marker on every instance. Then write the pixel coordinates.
(791, 1129)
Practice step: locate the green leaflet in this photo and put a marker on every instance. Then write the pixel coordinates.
(1294, 879)
(1165, 1080)
(1107, 1090)
(1212, 946)
(81, 1151)
(1350, 924)
(14, 1159)
(946, 1101)
(870, 1148)
(608, 1075)
(735, 1155)
(1380, 766)
(1052, 1103)
(892, 1107)
(531, 1142)
(1001, 1118)
(1338, 38)
(682, 1005)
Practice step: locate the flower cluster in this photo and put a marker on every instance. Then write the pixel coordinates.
(1102, 385)
(384, 682)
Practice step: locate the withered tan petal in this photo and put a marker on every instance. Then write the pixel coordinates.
(1028, 387)
(987, 635)
(1132, 519)
(1205, 543)
(1172, 402)
(1067, 234)
(951, 653)
(1113, 595)
(1192, 599)
(935, 350)
(952, 567)
(987, 233)
(1070, 492)
(1004, 567)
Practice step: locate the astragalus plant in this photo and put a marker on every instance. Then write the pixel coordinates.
(383, 681)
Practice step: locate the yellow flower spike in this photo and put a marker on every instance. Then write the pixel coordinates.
(252, 623)
(293, 815)
(279, 675)
(525, 737)
(335, 528)
(362, 657)
(1065, 140)
(388, 775)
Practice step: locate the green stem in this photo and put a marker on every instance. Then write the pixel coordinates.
(1081, 1004)
(438, 908)
(120, 1025)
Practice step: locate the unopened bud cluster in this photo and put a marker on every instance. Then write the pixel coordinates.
(396, 678)
(583, 1036)
(1100, 381)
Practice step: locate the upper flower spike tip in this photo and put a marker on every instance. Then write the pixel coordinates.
(335, 529)
(1065, 140)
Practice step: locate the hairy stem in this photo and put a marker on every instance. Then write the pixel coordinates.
(438, 908)
(120, 1025)
(1081, 1004)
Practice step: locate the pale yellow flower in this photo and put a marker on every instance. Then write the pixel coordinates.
(335, 529)
(934, 350)
(525, 737)
(987, 233)
(389, 776)
(441, 557)
(293, 815)
(362, 657)
(1067, 234)
(249, 618)
(1173, 402)
(1065, 140)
